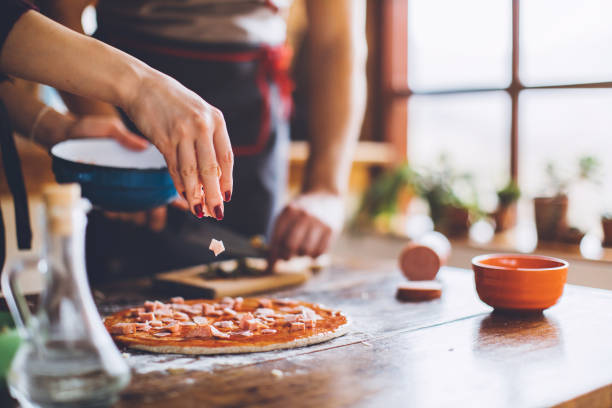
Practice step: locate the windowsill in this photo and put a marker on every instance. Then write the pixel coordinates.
(366, 153)
(507, 242)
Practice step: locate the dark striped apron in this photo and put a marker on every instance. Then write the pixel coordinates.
(251, 86)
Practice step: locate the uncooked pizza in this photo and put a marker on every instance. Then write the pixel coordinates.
(229, 325)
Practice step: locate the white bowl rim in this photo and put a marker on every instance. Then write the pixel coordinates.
(108, 153)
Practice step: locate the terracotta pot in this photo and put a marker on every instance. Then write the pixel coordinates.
(455, 221)
(606, 224)
(570, 236)
(505, 217)
(550, 216)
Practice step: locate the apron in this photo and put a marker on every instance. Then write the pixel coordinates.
(251, 86)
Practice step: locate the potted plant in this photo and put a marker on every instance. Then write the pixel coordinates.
(505, 214)
(450, 214)
(606, 225)
(390, 194)
(551, 210)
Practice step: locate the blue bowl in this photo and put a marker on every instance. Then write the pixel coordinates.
(112, 177)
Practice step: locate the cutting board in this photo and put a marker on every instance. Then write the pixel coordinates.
(189, 282)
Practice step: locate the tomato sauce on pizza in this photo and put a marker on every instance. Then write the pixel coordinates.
(229, 325)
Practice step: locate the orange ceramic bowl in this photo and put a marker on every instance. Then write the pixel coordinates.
(518, 282)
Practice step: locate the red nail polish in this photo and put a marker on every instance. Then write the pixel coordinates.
(198, 210)
(228, 196)
(218, 213)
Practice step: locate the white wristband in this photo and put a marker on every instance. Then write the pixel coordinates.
(327, 208)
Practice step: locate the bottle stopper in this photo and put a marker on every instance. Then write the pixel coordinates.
(61, 195)
(60, 200)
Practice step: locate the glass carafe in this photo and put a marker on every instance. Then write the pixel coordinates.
(67, 358)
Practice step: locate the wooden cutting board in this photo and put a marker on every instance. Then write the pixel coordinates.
(190, 281)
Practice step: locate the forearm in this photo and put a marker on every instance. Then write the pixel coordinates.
(41, 50)
(337, 101)
(334, 126)
(69, 13)
(25, 111)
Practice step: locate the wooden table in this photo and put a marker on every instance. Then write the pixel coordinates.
(448, 352)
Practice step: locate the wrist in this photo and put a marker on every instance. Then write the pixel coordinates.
(326, 172)
(131, 80)
(53, 128)
(322, 181)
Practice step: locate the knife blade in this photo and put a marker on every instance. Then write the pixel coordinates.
(236, 245)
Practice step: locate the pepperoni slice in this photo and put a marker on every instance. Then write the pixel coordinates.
(418, 291)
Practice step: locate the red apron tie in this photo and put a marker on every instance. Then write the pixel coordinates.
(277, 61)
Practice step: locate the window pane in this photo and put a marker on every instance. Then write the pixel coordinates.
(560, 127)
(565, 41)
(471, 130)
(459, 44)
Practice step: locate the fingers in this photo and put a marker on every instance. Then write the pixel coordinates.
(138, 218)
(170, 155)
(121, 134)
(209, 170)
(295, 236)
(225, 157)
(282, 224)
(317, 240)
(298, 233)
(189, 175)
(157, 218)
(107, 127)
(180, 203)
(324, 243)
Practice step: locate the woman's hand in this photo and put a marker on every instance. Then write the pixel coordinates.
(192, 136)
(190, 133)
(105, 127)
(306, 227)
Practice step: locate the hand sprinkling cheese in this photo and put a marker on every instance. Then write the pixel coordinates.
(216, 246)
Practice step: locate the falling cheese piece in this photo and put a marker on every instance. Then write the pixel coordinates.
(216, 246)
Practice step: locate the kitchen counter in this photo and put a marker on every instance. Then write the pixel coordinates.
(448, 352)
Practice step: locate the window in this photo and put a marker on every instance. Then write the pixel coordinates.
(502, 88)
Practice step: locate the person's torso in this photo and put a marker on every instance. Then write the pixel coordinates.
(254, 22)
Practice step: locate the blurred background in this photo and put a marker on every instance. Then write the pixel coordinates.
(486, 120)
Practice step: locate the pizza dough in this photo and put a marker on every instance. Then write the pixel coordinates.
(231, 325)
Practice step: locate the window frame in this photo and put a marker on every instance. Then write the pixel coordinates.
(395, 92)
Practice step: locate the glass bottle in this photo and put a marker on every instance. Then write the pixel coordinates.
(67, 358)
